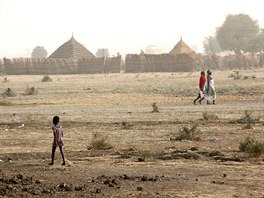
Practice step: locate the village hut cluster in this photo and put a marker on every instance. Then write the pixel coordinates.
(73, 58)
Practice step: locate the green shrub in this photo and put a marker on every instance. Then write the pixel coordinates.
(252, 147)
(46, 79)
(187, 133)
(244, 146)
(248, 120)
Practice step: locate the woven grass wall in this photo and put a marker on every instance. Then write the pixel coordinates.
(233, 61)
(185, 63)
(159, 63)
(134, 63)
(20, 66)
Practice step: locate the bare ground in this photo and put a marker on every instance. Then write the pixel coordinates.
(145, 159)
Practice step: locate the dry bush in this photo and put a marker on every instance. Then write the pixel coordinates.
(248, 120)
(46, 79)
(155, 108)
(237, 76)
(210, 117)
(188, 133)
(126, 125)
(9, 93)
(31, 91)
(149, 154)
(5, 103)
(99, 142)
(5, 80)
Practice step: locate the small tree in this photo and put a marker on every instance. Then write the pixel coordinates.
(211, 45)
(39, 52)
(257, 44)
(237, 32)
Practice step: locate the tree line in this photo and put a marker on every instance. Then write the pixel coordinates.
(239, 33)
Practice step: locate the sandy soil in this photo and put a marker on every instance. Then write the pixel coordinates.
(144, 160)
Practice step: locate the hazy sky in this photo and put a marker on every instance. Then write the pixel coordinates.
(125, 26)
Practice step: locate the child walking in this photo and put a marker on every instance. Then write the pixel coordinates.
(57, 139)
(209, 89)
(201, 87)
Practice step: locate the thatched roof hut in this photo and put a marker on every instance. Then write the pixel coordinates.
(182, 48)
(72, 49)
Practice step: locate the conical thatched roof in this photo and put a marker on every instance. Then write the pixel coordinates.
(72, 49)
(182, 48)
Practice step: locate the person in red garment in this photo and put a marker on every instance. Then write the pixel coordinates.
(201, 87)
(58, 139)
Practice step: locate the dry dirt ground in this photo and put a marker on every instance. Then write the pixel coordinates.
(144, 158)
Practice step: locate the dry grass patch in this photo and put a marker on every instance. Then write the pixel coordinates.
(148, 154)
(5, 80)
(31, 91)
(187, 133)
(100, 142)
(247, 120)
(5, 103)
(9, 93)
(46, 79)
(209, 117)
(155, 108)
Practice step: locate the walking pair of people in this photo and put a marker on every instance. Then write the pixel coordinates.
(206, 88)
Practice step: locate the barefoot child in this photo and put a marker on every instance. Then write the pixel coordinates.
(58, 139)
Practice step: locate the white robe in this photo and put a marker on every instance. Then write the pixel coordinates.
(209, 89)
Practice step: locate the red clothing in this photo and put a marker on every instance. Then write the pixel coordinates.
(202, 82)
(58, 136)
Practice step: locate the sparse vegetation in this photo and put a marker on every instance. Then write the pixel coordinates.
(143, 143)
(9, 93)
(148, 154)
(237, 76)
(5, 103)
(155, 108)
(209, 117)
(5, 80)
(46, 79)
(99, 142)
(127, 125)
(252, 147)
(188, 133)
(248, 120)
(31, 91)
